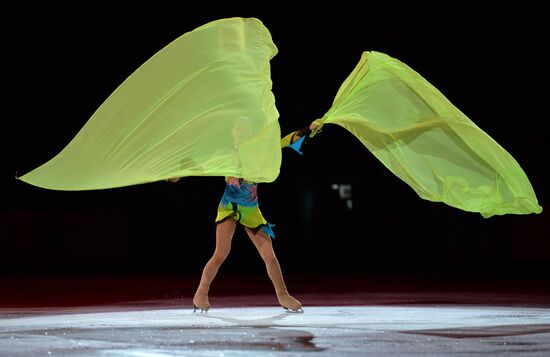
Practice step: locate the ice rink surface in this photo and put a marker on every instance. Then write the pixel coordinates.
(268, 331)
(162, 328)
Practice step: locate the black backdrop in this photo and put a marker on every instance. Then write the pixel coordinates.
(64, 60)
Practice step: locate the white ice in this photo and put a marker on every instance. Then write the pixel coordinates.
(269, 331)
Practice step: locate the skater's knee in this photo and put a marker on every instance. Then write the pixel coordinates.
(268, 256)
(219, 257)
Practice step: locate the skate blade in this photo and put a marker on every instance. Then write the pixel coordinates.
(195, 308)
(294, 311)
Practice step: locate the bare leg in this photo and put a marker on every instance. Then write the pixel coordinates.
(265, 247)
(224, 235)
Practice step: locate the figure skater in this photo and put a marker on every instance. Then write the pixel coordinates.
(239, 204)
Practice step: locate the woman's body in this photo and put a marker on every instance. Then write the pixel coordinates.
(239, 204)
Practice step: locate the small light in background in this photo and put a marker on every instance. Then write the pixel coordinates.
(344, 192)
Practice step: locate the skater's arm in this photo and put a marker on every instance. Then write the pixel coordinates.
(298, 137)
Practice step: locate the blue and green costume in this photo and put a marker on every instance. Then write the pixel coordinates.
(240, 201)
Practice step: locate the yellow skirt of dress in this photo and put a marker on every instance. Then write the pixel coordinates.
(248, 216)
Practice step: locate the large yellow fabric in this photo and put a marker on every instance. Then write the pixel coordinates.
(420, 136)
(201, 106)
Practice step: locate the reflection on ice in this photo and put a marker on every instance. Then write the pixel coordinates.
(333, 330)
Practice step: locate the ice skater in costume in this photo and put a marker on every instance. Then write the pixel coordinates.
(239, 205)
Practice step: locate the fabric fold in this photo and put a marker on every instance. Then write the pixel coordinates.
(201, 106)
(420, 136)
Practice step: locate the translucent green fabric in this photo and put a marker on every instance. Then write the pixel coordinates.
(201, 106)
(426, 141)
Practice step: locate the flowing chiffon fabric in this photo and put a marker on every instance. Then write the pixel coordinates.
(201, 106)
(420, 136)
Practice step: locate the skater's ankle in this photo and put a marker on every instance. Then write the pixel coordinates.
(203, 289)
(282, 292)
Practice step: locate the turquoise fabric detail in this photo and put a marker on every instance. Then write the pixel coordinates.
(267, 229)
(297, 145)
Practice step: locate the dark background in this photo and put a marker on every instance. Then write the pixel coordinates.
(64, 60)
